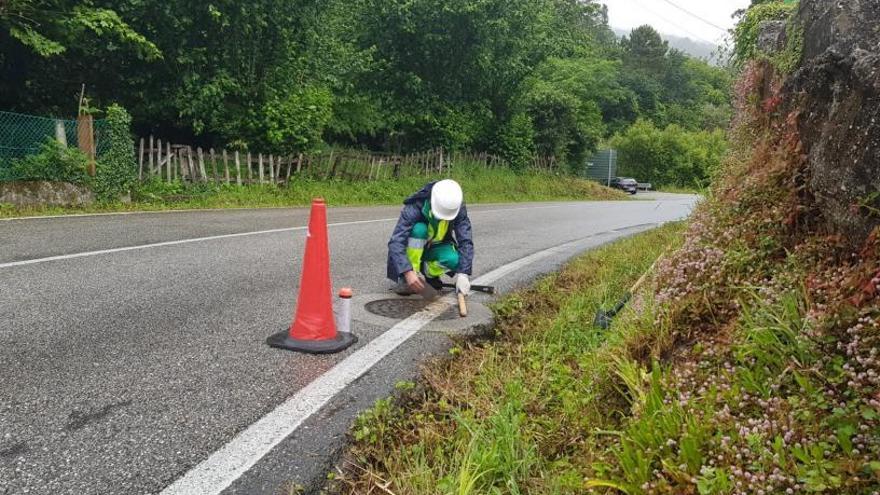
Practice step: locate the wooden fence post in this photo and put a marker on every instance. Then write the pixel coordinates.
(181, 153)
(204, 175)
(168, 157)
(330, 166)
(185, 166)
(85, 136)
(141, 161)
(237, 169)
(260, 165)
(213, 165)
(271, 168)
(181, 162)
(191, 164)
(334, 166)
(178, 165)
(289, 166)
(150, 157)
(226, 166)
(158, 170)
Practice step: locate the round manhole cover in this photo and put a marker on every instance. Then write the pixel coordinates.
(399, 309)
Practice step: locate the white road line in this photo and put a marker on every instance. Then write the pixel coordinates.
(223, 467)
(175, 243)
(145, 212)
(85, 254)
(194, 210)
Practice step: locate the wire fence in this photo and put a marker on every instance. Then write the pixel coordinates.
(22, 135)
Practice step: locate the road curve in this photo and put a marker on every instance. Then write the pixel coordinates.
(132, 346)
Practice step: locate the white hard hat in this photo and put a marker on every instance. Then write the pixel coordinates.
(446, 198)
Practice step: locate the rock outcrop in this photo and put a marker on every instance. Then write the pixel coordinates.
(773, 36)
(837, 94)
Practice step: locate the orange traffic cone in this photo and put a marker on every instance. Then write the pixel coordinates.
(313, 329)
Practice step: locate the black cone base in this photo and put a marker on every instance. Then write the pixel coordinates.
(282, 340)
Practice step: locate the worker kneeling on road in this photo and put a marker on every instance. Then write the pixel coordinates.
(432, 237)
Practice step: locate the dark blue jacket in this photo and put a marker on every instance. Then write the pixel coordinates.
(459, 233)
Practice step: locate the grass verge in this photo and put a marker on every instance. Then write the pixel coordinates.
(682, 190)
(741, 369)
(522, 413)
(480, 185)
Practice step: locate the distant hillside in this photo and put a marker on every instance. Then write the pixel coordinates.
(699, 49)
(694, 48)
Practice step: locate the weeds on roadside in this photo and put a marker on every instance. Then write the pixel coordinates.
(480, 185)
(751, 366)
(513, 415)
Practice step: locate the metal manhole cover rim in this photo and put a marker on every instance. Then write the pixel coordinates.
(400, 309)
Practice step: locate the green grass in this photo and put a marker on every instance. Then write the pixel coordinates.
(770, 401)
(682, 190)
(513, 415)
(480, 185)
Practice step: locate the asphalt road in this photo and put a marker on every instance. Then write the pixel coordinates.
(132, 346)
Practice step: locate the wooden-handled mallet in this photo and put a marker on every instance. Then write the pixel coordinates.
(462, 305)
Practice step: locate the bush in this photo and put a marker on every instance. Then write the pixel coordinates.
(514, 141)
(670, 156)
(294, 122)
(565, 102)
(116, 170)
(54, 162)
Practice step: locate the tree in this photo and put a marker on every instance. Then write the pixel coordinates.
(670, 156)
(49, 27)
(645, 50)
(513, 77)
(443, 58)
(673, 88)
(572, 102)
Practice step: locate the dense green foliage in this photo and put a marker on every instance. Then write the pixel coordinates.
(513, 77)
(54, 162)
(748, 29)
(670, 156)
(116, 173)
(53, 27)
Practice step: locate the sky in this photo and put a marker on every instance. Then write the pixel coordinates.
(666, 18)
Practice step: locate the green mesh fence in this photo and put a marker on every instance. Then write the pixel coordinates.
(22, 135)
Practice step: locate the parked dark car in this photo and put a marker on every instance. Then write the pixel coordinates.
(625, 184)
